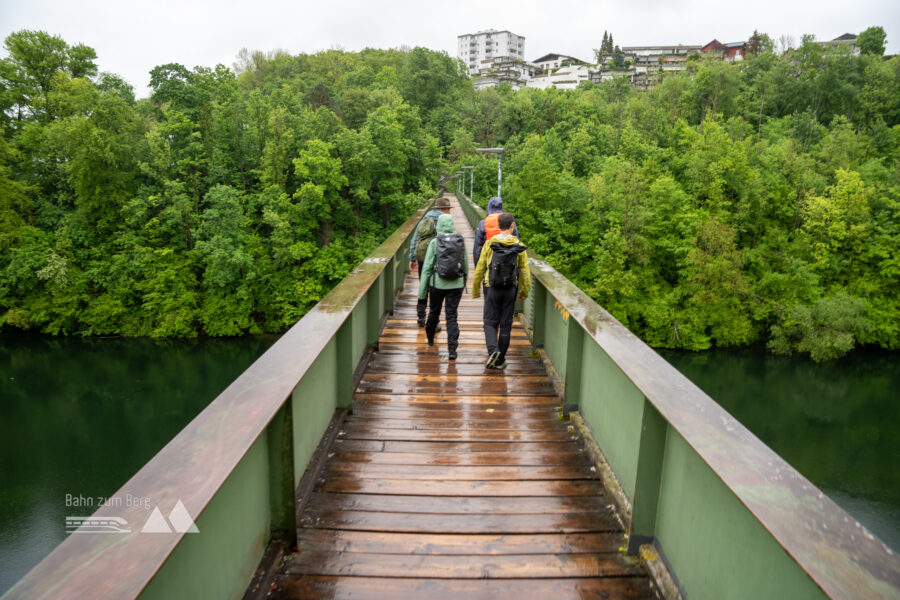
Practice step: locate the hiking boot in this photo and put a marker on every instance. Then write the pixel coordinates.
(501, 364)
(492, 359)
(452, 355)
(421, 322)
(430, 341)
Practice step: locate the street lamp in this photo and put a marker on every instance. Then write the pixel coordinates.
(499, 153)
(471, 182)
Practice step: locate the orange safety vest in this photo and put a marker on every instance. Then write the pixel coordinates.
(491, 227)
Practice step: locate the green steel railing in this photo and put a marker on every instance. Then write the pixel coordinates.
(729, 516)
(237, 465)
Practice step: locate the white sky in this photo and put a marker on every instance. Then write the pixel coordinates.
(133, 36)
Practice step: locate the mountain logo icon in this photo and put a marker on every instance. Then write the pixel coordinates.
(180, 520)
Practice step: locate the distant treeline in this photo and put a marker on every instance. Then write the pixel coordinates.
(756, 202)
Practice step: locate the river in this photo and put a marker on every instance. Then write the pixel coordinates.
(81, 416)
(837, 423)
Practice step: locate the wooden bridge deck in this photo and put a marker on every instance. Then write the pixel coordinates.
(450, 480)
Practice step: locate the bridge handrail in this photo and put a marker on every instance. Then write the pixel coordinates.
(249, 433)
(840, 556)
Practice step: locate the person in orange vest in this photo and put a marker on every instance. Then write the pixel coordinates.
(488, 227)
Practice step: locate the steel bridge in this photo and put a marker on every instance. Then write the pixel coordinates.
(354, 461)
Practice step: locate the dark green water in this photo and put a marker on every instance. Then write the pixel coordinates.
(836, 423)
(81, 416)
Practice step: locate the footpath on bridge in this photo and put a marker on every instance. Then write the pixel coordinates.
(451, 480)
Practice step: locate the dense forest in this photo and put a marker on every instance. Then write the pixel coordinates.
(732, 204)
(223, 204)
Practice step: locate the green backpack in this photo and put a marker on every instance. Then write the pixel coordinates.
(426, 232)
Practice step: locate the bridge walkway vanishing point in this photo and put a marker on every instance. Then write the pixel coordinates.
(451, 480)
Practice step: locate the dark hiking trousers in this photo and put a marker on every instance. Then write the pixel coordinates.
(437, 298)
(421, 305)
(499, 304)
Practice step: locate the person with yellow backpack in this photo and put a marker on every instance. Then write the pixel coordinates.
(505, 264)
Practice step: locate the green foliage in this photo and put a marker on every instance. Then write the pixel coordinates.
(221, 205)
(872, 41)
(732, 204)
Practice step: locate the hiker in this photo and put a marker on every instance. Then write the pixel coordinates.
(443, 276)
(487, 228)
(504, 261)
(426, 231)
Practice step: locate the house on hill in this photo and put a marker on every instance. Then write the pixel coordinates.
(566, 77)
(730, 52)
(848, 39)
(554, 61)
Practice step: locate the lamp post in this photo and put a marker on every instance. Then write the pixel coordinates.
(463, 185)
(499, 153)
(471, 182)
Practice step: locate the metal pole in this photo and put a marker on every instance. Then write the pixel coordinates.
(499, 173)
(471, 169)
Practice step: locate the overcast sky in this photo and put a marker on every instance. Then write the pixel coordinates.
(133, 36)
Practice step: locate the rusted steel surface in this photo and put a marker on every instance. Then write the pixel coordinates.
(840, 555)
(194, 465)
(450, 480)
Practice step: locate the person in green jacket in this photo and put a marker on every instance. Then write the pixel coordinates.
(500, 295)
(447, 247)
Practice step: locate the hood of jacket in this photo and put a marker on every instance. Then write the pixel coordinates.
(495, 205)
(507, 239)
(445, 224)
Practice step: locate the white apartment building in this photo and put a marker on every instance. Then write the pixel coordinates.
(476, 48)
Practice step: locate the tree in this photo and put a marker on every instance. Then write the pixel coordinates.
(872, 41)
(27, 74)
(618, 58)
(319, 194)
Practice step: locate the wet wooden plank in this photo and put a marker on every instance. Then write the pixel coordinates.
(520, 566)
(447, 400)
(355, 432)
(488, 387)
(458, 424)
(460, 504)
(410, 348)
(536, 381)
(458, 472)
(381, 588)
(545, 459)
(580, 522)
(466, 544)
(443, 367)
(447, 446)
(512, 423)
(350, 484)
(500, 415)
